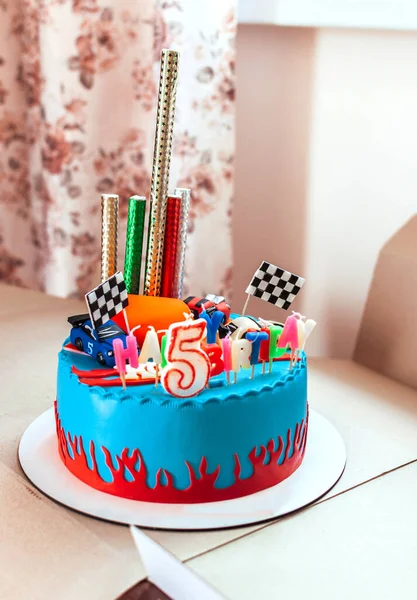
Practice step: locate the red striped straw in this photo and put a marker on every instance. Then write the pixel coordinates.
(171, 243)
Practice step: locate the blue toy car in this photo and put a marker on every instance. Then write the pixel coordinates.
(98, 343)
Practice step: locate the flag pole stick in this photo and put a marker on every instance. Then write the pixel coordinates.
(126, 321)
(245, 305)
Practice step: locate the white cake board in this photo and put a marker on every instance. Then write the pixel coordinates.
(323, 464)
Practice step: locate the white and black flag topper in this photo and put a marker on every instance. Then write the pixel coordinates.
(107, 299)
(275, 285)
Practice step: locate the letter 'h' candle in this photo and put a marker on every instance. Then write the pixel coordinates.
(121, 355)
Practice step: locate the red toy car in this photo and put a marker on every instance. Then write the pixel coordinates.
(210, 304)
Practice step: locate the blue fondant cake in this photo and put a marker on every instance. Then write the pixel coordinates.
(144, 444)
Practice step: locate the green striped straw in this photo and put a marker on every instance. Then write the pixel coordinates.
(136, 223)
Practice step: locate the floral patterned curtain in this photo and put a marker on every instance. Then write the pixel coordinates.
(78, 82)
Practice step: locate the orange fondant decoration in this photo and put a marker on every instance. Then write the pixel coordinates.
(150, 310)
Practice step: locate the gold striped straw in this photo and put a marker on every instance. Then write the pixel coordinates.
(109, 233)
(160, 170)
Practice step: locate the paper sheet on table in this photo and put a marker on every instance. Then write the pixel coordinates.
(171, 576)
(387, 340)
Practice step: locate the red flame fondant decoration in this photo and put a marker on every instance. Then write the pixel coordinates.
(202, 485)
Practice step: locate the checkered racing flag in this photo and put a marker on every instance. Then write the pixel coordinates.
(275, 285)
(107, 299)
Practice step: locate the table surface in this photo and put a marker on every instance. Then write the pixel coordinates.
(359, 540)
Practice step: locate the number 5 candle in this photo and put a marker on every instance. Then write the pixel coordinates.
(188, 367)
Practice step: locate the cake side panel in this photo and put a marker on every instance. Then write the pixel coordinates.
(146, 445)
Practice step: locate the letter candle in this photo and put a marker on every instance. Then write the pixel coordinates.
(182, 240)
(304, 332)
(151, 350)
(264, 349)
(309, 325)
(289, 335)
(214, 352)
(109, 233)
(135, 233)
(213, 321)
(163, 349)
(121, 355)
(275, 352)
(188, 368)
(256, 337)
(171, 242)
(227, 356)
(241, 351)
(160, 170)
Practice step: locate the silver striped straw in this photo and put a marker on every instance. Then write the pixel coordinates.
(182, 246)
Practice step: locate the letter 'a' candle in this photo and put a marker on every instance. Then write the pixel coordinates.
(150, 349)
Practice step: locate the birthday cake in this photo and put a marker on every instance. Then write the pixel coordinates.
(166, 400)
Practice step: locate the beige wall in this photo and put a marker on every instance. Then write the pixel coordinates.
(326, 164)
